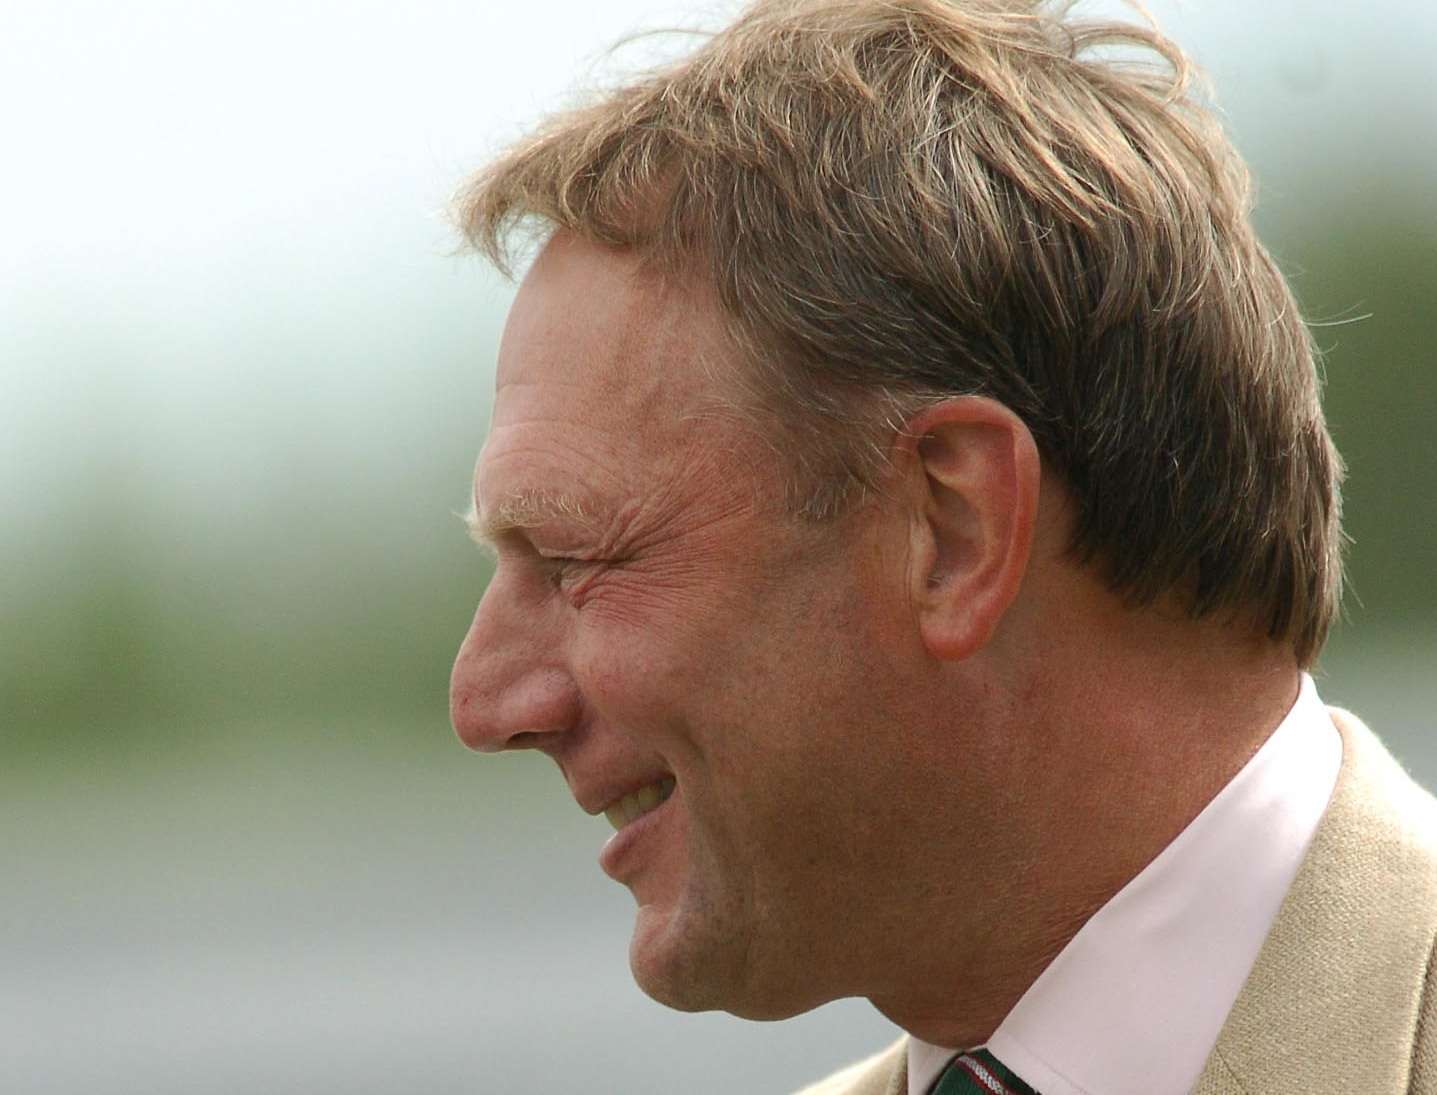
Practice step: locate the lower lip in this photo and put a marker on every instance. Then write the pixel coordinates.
(623, 853)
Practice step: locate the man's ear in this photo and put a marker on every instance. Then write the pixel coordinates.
(975, 475)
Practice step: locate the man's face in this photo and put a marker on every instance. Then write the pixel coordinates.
(659, 627)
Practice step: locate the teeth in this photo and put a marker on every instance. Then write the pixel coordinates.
(636, 804)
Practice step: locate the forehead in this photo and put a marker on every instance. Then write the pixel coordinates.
(607, 377)
(588, 318)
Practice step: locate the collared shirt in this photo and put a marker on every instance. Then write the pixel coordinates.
(1134, 1003)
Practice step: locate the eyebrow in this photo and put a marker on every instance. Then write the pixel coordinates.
(521, 510)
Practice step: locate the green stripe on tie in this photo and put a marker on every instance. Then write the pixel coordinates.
(982, 1073)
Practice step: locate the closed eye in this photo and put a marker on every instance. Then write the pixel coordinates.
(576, 576)
(566, 565)
(569, 576)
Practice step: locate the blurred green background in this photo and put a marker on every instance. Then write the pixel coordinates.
(243, 379)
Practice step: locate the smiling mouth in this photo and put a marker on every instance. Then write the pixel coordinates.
(636, 804)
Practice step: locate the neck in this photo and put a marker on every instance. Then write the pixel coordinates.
(1102, 767)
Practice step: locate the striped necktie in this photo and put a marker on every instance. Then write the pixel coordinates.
(979, 1072)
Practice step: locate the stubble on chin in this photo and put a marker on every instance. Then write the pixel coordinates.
(718, 962)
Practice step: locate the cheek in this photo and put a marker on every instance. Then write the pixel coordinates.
(630, 677)
(645, 689)
(649, 660)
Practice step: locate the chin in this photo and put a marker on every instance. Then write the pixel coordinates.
(673, 971)
(691, 997)
(686, 976)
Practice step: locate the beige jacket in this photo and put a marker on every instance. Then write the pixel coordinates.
(1343, 997)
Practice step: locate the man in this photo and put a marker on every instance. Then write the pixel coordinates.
(913, 517)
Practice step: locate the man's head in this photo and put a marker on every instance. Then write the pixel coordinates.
(658, 624)
(900, 200)
(903, 388)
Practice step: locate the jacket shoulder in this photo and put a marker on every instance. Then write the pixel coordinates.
(884, 1073)
(1341, 996)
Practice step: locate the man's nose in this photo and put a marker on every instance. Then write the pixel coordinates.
(510, 688)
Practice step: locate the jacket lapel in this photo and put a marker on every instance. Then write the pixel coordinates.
(884, 1073)
(1331, 1004)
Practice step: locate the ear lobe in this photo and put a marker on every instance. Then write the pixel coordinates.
(980, 476)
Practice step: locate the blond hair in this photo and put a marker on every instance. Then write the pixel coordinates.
(897, 200)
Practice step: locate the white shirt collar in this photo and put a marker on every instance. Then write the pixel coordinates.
(1134, 1003)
